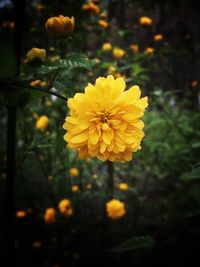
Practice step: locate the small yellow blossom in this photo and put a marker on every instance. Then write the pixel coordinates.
(158, 37)
(94, 9)
(111, 70)
(106, 47)
(75, 188)
(74, 172)
(55, 58)
(38, 83)
(94, 176)
(65, 207)
(60, 26)
(21, 214)
(88, 186)
(115, 209)
(123, 186)
(103, 23)
(118, 53)
(36, 53)
(40, 7)
(145, 21)
(42, 123)
(194, 83)
(104, 121)
(50, 215)
(134, 48)
(149, 51)
(103, 15)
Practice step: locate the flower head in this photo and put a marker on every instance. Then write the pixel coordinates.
(74, 172)
(94, 9)
(149, 51)
(60, 26)
(103, 23)
(65, 207)
(106, 47)
(42, 123)
(134, 48)
(123, 186)
(158, 37)
(50, 215)
(145, 21)
(36, 53)
(21, 214)
(104, 122)
(75, 188)
(194, 83)
(118, 53)
(115, 209)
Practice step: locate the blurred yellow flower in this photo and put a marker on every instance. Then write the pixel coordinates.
(103, 23)
(158, 37)
(21, 214)
(118, 53)
(75, 188)
(36, 53)
(104, 122)
(103, 15)
(50, 215)
(194, 83)
(94, 176)
(73, 172)
(92, 8)
(149, 51)
(106, 47)
(111, 70)
(146, 21)
(115, 209)
(60, 26)
(123, 186)
(88, 186)
(40, 7)
(38, 83)
(65, 207)
(42, 123)
(55, 58)
(134, 48)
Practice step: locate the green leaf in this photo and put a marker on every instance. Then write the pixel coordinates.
(136, 242)
(71, 62)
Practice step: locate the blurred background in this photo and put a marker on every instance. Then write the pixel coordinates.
(53, 205)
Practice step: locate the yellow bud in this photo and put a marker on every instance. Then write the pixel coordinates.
(60, 26)
(36, 53)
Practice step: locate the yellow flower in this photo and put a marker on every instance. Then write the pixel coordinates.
(53, 59)
(146, 21)
(74, 172)
(36, 53)
(102, 23)
(149, 51)
(158, 37)
(118, 53)
(106, 47)
(123, 186)
(50, 215)
(115, 209)
(104, 122)
(65, 207)
(134, 48)
(88, 186)
(21, 214)
(38, 83)
(75, 188)
(103, 15)
(111, 70)
(92, 8)
(94, 176)
(42, 123)
(194, 83)
(60, 26)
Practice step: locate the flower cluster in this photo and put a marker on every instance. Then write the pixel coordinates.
(115, 209)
